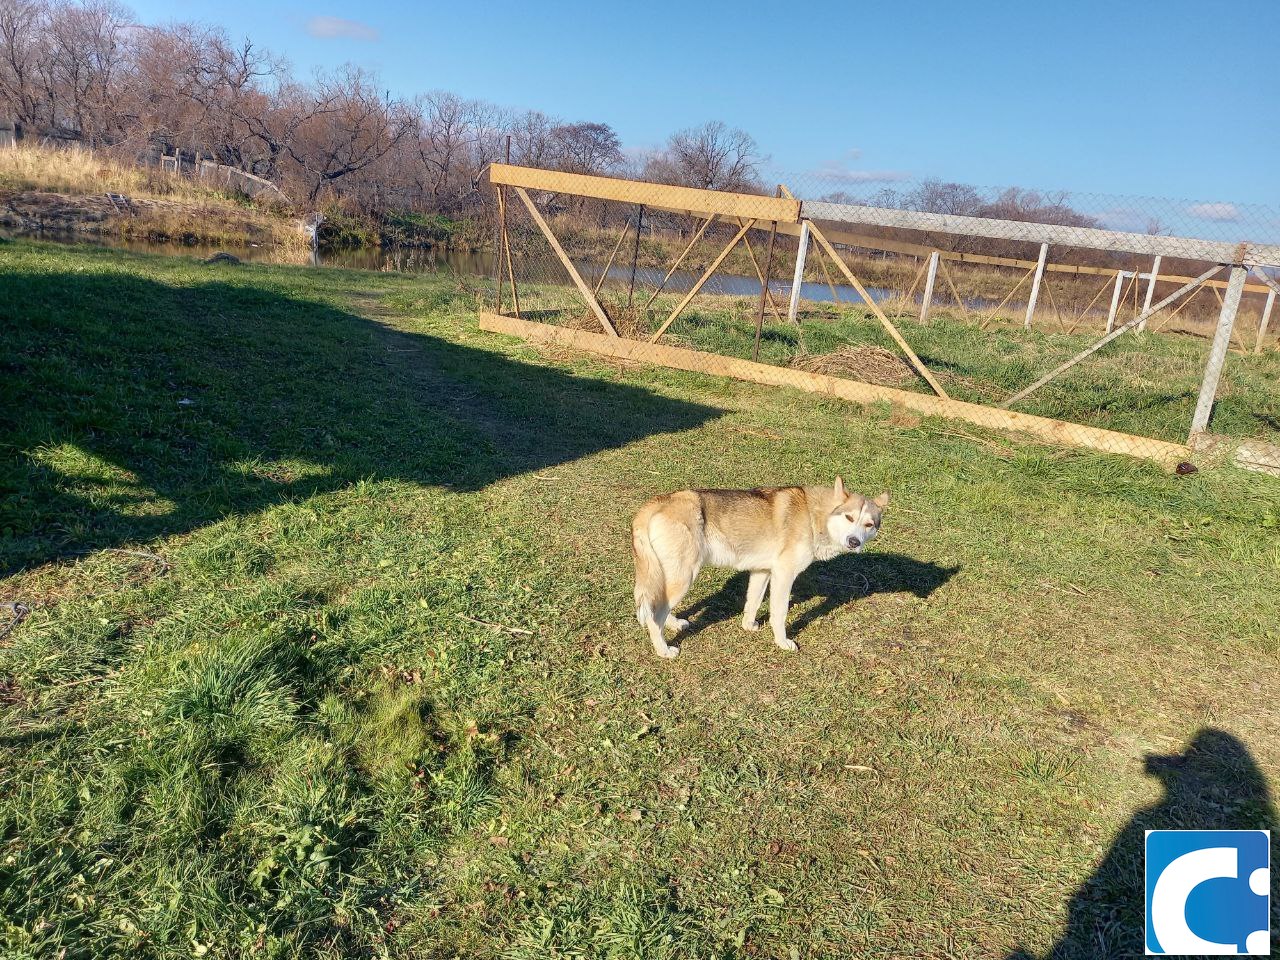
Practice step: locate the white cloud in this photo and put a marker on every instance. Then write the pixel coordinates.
(333, 27)
(1221, 212)
(842, 174)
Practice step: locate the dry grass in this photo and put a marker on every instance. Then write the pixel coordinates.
(78, 170)
(869, 364)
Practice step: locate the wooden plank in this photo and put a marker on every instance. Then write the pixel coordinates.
(604, 274)
(884, 321)
(1111, 335)
(764, 284)
(701, 280)
(1042, 428)
(683, 199)
(1088, 237)
(679, 260)
(506, 248)
(581, 284)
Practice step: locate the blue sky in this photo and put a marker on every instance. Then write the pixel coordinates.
(1162, 99)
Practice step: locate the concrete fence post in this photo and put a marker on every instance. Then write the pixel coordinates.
(1035, 284)
(930, 277)
(798, 279)
(1266, 318)
(1115, 301)
(1151, 289)
(1218, 351)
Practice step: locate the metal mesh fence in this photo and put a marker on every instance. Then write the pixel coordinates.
(1079, 332)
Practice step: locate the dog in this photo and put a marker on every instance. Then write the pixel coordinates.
(775, 533)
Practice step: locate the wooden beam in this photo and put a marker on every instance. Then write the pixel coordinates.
(701, 280)
(991, 317)
(679, 260)
(884, 321)
(1041, 428)
(581, 284)
(683, 199)
(506, 249)
(764, 285)
(1111, 335)
(622, 235)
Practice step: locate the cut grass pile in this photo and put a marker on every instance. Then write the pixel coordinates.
(331, 650)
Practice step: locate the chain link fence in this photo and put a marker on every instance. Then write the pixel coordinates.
(1007, 309)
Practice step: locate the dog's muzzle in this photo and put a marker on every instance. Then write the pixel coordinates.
(854, 543)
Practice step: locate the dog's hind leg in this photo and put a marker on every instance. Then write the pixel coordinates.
(681, 561)
(756, 587)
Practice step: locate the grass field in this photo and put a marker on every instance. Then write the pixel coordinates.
(331, 650)
(1145, 384)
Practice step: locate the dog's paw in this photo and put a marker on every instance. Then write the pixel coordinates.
(667, 653)
(675, 624)
(786, 643)
(750, 627)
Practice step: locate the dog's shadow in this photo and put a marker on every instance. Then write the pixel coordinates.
(846, 578)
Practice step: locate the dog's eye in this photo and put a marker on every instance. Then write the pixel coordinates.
(868, 525)
(849, 517)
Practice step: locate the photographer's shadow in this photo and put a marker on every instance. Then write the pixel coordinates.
(835, 583)
(1214, 785)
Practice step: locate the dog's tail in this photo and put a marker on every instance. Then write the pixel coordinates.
(651, 581)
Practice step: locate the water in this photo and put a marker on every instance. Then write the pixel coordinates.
(433, 260)
(398, 260)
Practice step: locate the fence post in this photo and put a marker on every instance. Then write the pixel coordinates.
(1035, 284)
(932, 275)
(1218, 351)
(798, 279)
(1151, 289)
(1115, 301)
(1266, 318)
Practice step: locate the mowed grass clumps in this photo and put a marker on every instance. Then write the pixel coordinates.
(331, 650)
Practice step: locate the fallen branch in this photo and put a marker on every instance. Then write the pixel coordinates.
(517, 631)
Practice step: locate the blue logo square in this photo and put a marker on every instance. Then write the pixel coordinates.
(1208, 892)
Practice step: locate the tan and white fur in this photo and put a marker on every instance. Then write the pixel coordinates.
(774, 533)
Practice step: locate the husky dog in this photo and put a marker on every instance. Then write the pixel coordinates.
(775, 533)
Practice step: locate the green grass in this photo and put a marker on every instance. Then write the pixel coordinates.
(1145, 384)
(338, 660)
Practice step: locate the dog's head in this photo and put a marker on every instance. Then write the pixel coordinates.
(855, 519)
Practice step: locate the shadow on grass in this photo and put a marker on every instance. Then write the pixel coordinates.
(835, 582)
(1215, 785)
(132, 409)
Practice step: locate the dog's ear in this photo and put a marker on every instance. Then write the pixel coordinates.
(882, 500)
(841, 496)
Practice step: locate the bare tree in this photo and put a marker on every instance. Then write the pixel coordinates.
(591, 148)
(22, 30)
(712, 157)
(349, 127)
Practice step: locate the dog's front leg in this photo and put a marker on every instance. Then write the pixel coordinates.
(755, 595)
(779, 600)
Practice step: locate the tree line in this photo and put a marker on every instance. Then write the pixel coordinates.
(86, 71)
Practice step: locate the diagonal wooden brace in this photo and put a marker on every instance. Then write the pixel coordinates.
(715, 264)
(581, 284)
(875, 308)
(1083, 354)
